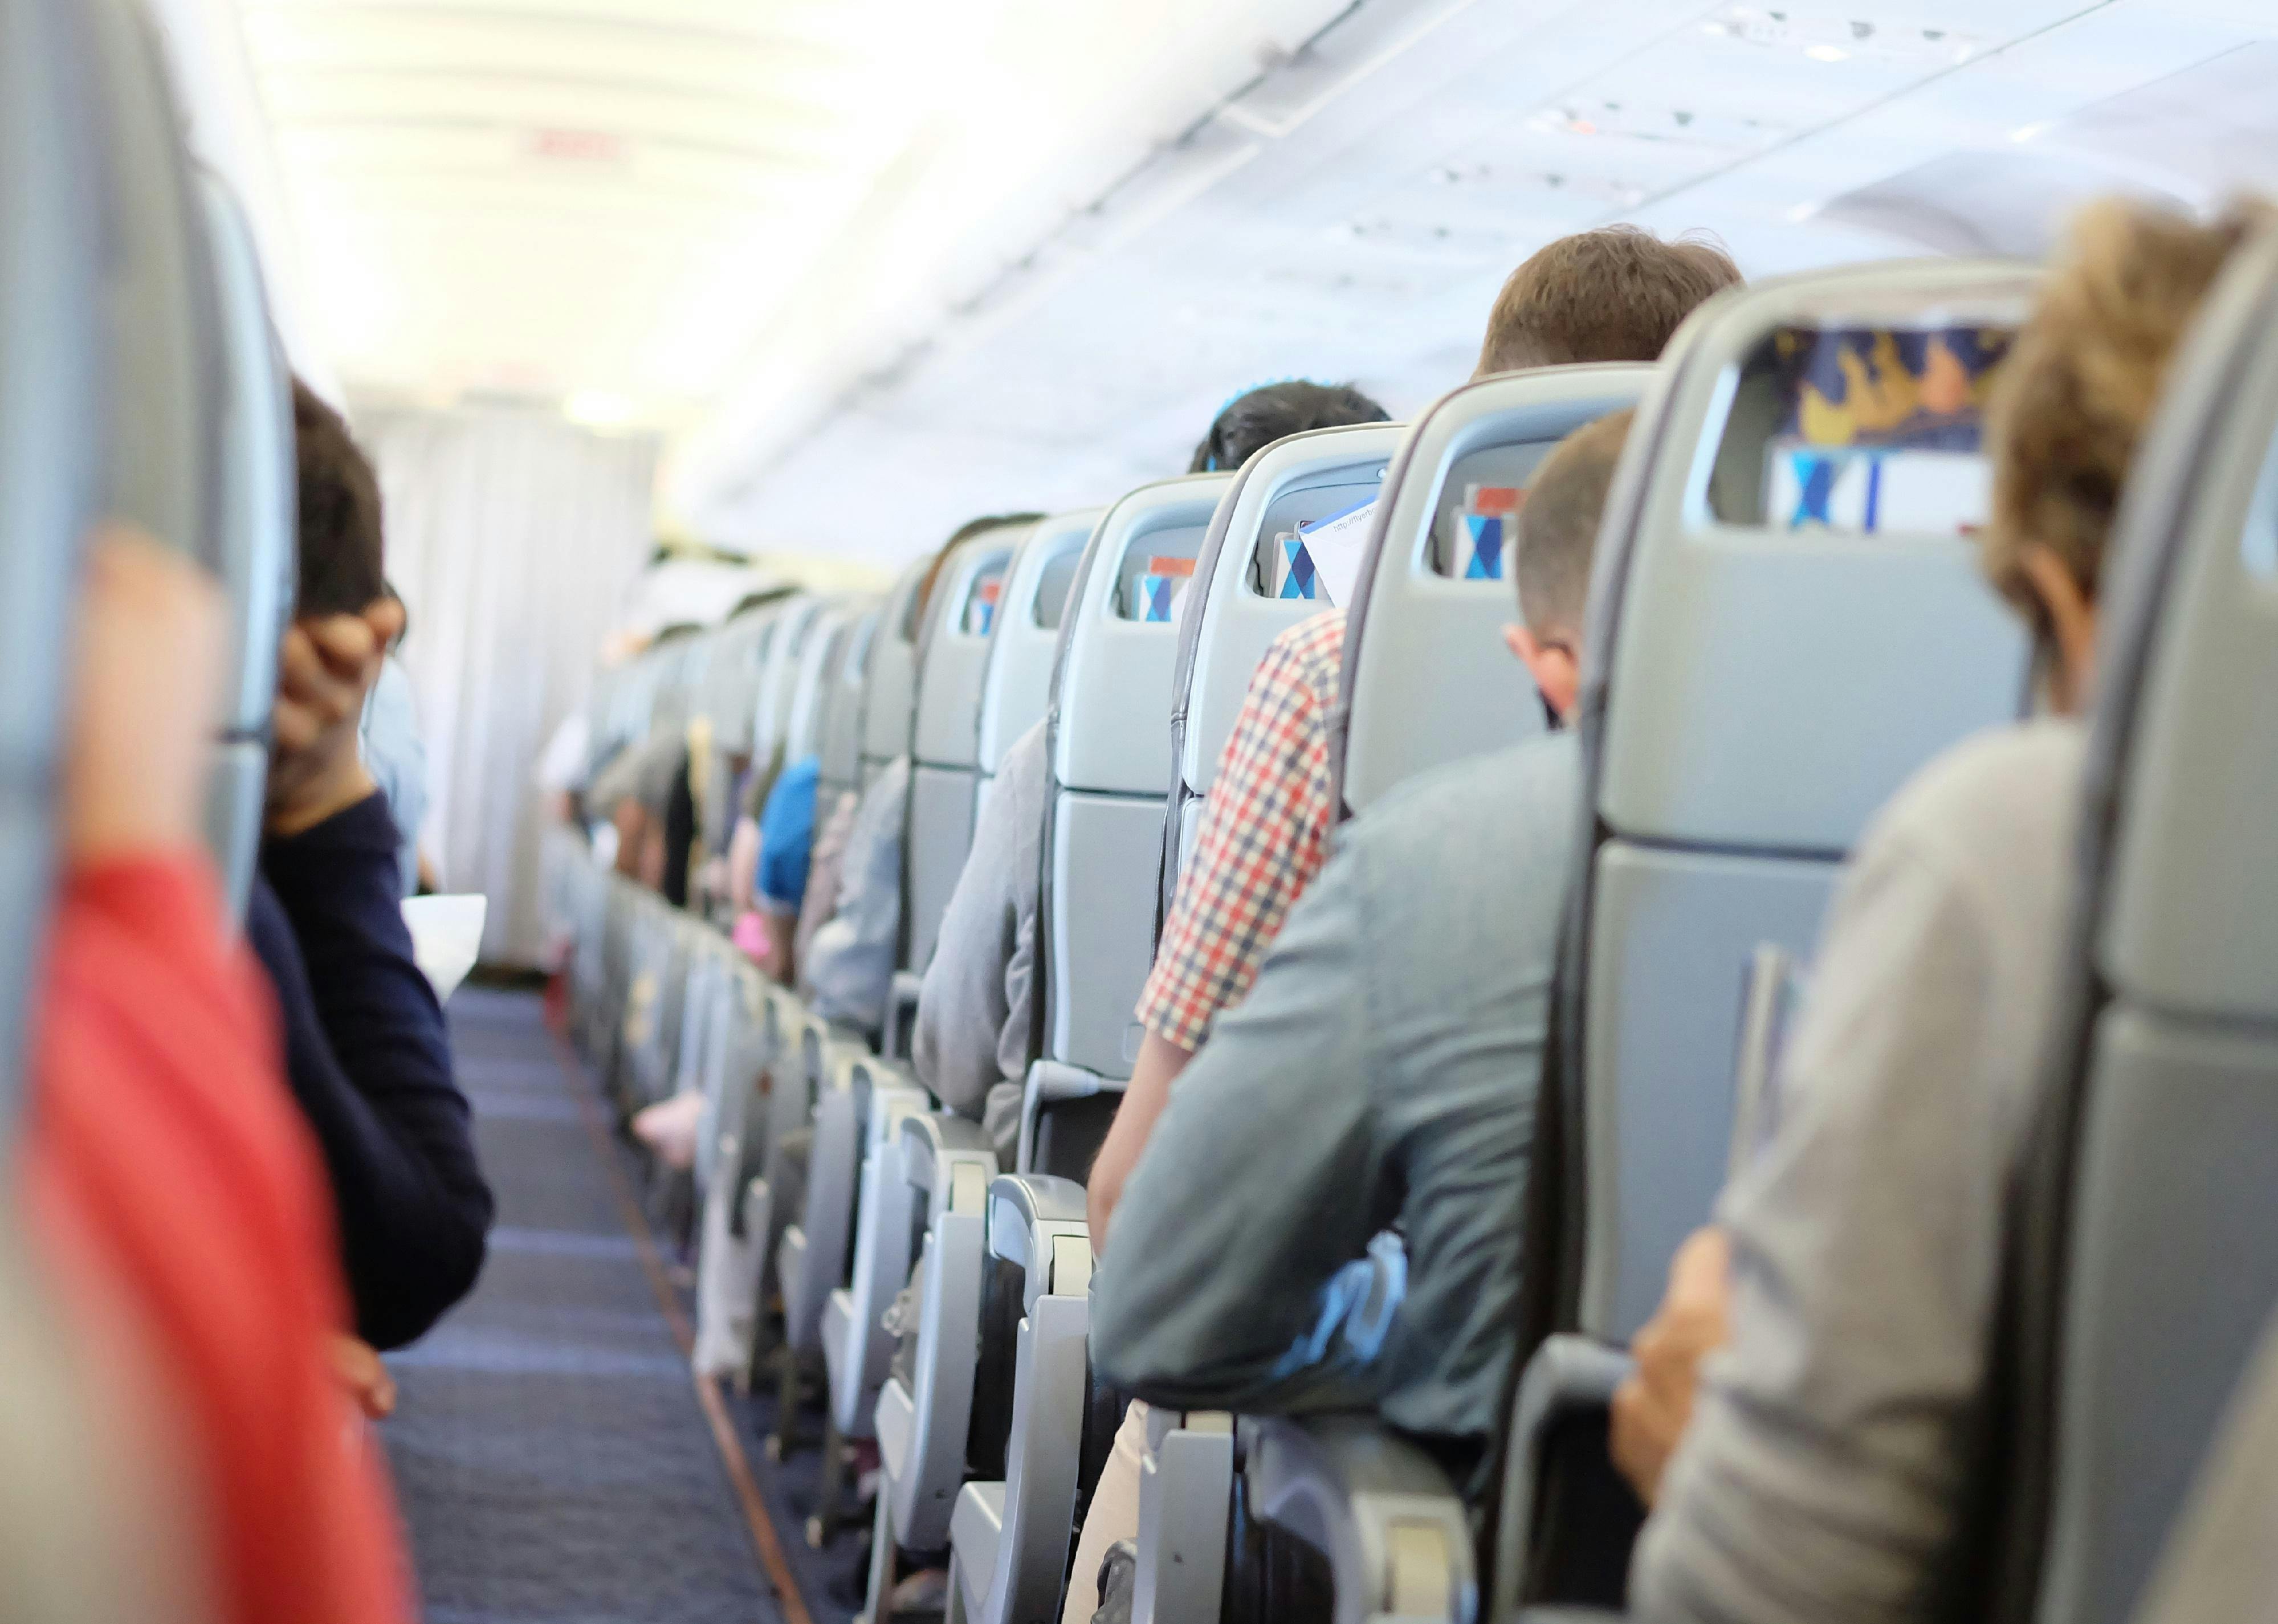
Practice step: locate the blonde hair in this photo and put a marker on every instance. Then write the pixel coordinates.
(2077, 389)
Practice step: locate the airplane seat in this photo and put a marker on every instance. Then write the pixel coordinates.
(105, 411)
(2146, 1267)
(1426, 678)
(779, 676)
(890, 678)
(1786, 534)
(1234, 607)
(855, 1348)
(841, 747)
(258, 558)
(1108, 787)
(1017, 686)
(921, 1413)
(944, 760)
(1011, 1526)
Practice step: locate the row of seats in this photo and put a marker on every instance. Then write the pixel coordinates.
(1755, 692)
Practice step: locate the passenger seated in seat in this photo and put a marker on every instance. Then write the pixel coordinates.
(173, 1197)
(1822, 1474)
(365, 1047)
(1382, 1067)
(974, 1014)
(1614, 294)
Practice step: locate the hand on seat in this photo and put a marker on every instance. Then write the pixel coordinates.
(147, 688)
(1652, 1409)
(325, 668)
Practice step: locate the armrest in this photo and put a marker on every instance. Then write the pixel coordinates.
(1568, 1376)
(1050, 1081)
(950, 1158)
(1394, 1529)
(1033, 1216)
(901, 1014)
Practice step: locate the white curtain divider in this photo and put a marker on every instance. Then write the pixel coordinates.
(514, 538)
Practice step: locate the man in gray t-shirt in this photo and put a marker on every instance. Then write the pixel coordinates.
(1820, 1478)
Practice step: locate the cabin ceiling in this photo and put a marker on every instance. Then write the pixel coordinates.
(875, 265)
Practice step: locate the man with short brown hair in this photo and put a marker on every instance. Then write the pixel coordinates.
(1617, 293)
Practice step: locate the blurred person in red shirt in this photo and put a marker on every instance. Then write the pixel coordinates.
(165, 1171)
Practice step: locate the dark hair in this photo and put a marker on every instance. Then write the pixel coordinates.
(1558, 527)
(1616, 294)
(1256, 419)
(340, 539)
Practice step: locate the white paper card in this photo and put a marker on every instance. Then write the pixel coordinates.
(1338, 543)
(447, 936)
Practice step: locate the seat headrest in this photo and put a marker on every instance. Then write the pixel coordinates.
(166, 369)
(1017, 685)
(52, 435)
(1245, 592)
(2184, 762)
(953, 647)
(258, 537)
(1787, 616)
(888, 688)
(1112, 684)
(1426, 677)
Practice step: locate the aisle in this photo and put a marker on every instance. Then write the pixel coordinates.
(550, 1454)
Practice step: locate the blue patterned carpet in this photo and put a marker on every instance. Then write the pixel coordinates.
(551, 1455)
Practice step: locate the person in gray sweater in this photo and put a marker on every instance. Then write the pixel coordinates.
(1830, 1341)
(971, 1044)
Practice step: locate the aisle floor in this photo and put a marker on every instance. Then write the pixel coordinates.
(552, 1458)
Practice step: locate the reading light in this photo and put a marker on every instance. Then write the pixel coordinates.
(1827, 53)
(2032, 132)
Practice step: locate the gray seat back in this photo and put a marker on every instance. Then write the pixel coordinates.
(1754, 686)
(890, 679)
(810, 694)
(1110, 776)
(786, 649)
(952, 657)
(259, 558)
(729, 696)
(842, 715)
(2149, 1262)
(1426, 677)
(52, 432)
(1017, 687)
(1231, 611)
